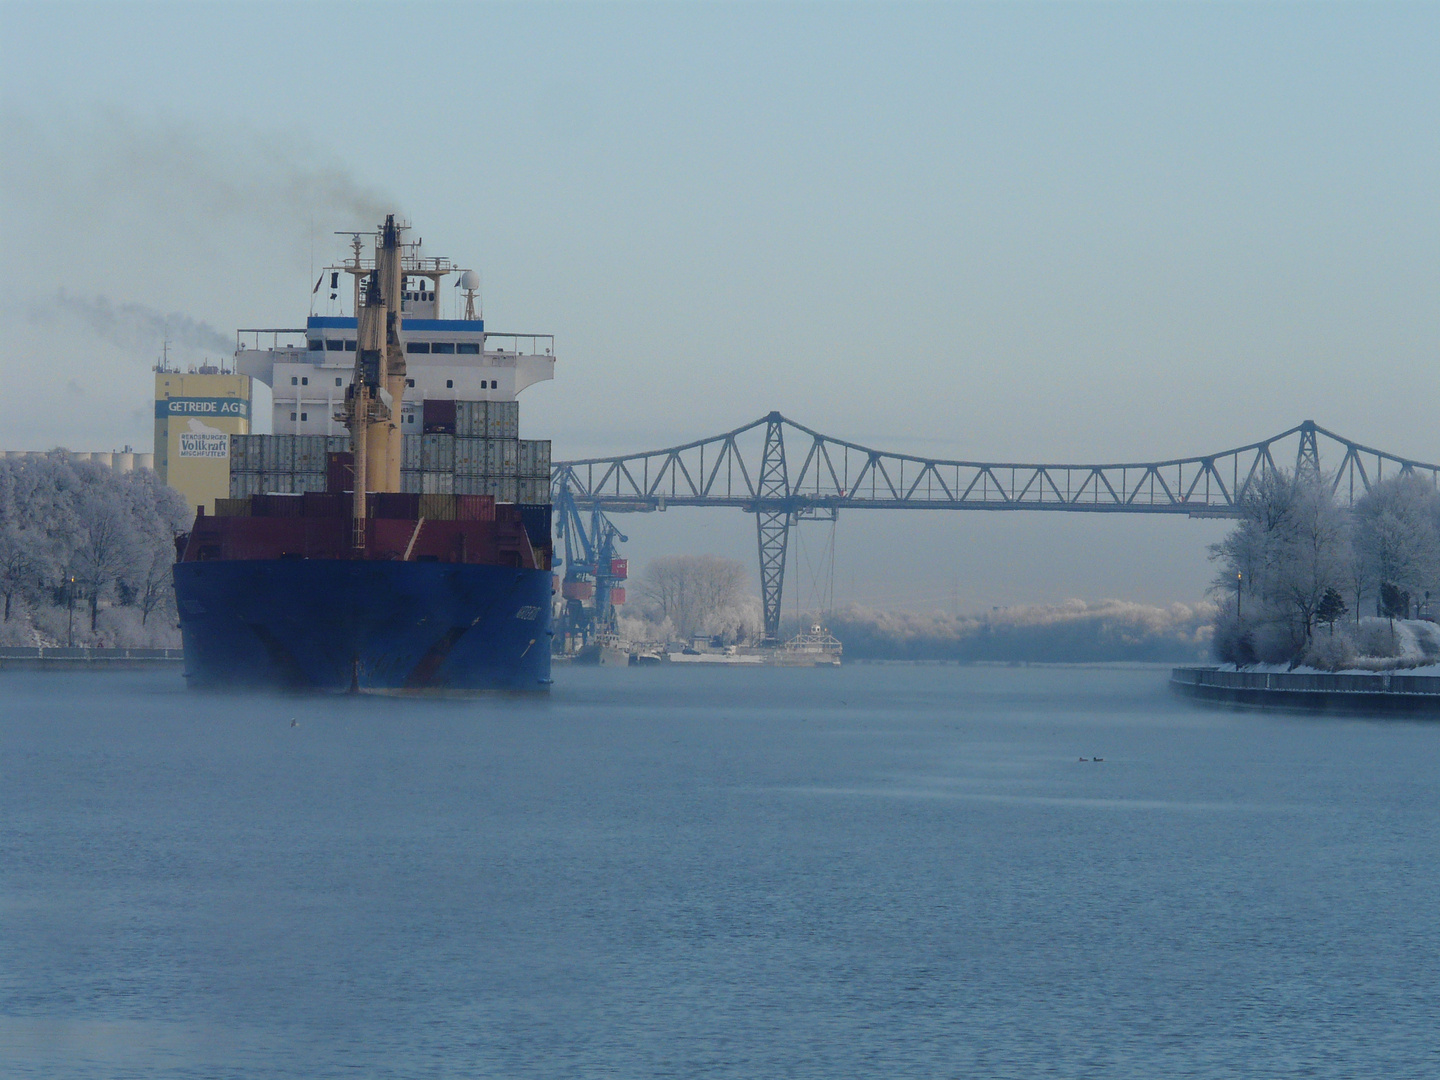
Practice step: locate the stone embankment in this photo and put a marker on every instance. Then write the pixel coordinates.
(1388, 692)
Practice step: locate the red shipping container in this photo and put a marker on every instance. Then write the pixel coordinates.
(617, 595)
(578, 590)
(395, 505)
(339, 472)
(474, 508)
(620, 569)
(325, 504)
(438, 417)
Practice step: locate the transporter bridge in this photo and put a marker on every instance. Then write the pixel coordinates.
(784, 472)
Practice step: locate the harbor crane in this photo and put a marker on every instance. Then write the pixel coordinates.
(594, 570)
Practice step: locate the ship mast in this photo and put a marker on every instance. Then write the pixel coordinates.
(377, 387)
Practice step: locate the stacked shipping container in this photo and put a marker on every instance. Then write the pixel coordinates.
(283, 464)
(482, 455)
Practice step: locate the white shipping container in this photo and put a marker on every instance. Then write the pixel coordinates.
(410, 452)
(243, 484)
(469, 485)
(502, 457)
(534, 490)
(410, 481)
(503, 420)
(470, 456)
(535, 458)
(309, 453)
(471, 418)
(437, 483)
(337, 444)
(277, 483)
(241, 454)
(277, 454)
(501, 489)
(308, 481)
(437, 454)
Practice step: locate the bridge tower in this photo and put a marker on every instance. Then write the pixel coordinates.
(772, 526)
(1307, 457)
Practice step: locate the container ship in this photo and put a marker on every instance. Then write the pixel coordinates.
(393, 534)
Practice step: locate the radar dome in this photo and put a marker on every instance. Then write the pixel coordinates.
(470, 280)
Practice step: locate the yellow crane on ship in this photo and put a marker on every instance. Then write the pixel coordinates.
(371, 411)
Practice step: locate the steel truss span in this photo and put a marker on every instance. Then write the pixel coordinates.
(740, 469)
(782, 471)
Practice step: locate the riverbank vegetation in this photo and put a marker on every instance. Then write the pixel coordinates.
(85, 555)
(1073, 631)
(1304, 579)
(685, 596)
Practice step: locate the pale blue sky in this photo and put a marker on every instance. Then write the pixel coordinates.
(1014, 231)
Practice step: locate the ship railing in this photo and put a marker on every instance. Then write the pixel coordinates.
(274, 333)
(522, 344)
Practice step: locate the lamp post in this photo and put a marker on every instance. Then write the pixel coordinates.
(1238, 578)
(70, 632)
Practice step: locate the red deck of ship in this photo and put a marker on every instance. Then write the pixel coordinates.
(318, 526)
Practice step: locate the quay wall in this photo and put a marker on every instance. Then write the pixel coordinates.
(82, 659)
(1384, 692)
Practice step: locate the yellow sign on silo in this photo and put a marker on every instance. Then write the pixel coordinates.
(195, 415)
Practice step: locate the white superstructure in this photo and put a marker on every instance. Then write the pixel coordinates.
(446, 359)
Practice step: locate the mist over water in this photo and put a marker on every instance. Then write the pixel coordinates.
(874, 870)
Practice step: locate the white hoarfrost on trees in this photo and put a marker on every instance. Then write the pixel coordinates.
(113, 534)
(1397, 537)
(1296, 552)
(698, 594)
(105, 547)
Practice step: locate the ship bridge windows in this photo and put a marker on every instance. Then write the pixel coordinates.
(335, 345)
(316, 344)
(349, 346)
(446, 348)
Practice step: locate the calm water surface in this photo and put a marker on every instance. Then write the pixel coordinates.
(877, 871)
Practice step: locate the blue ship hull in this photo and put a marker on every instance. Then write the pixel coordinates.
(339, 625)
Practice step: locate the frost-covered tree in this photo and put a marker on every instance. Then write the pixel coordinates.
(692, 590)
(158, 513)
(1312, 553)
(15, 562)
(1295, 551)
(114, 533)
(1397, 536)
(106, 546)
(1289, 549)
